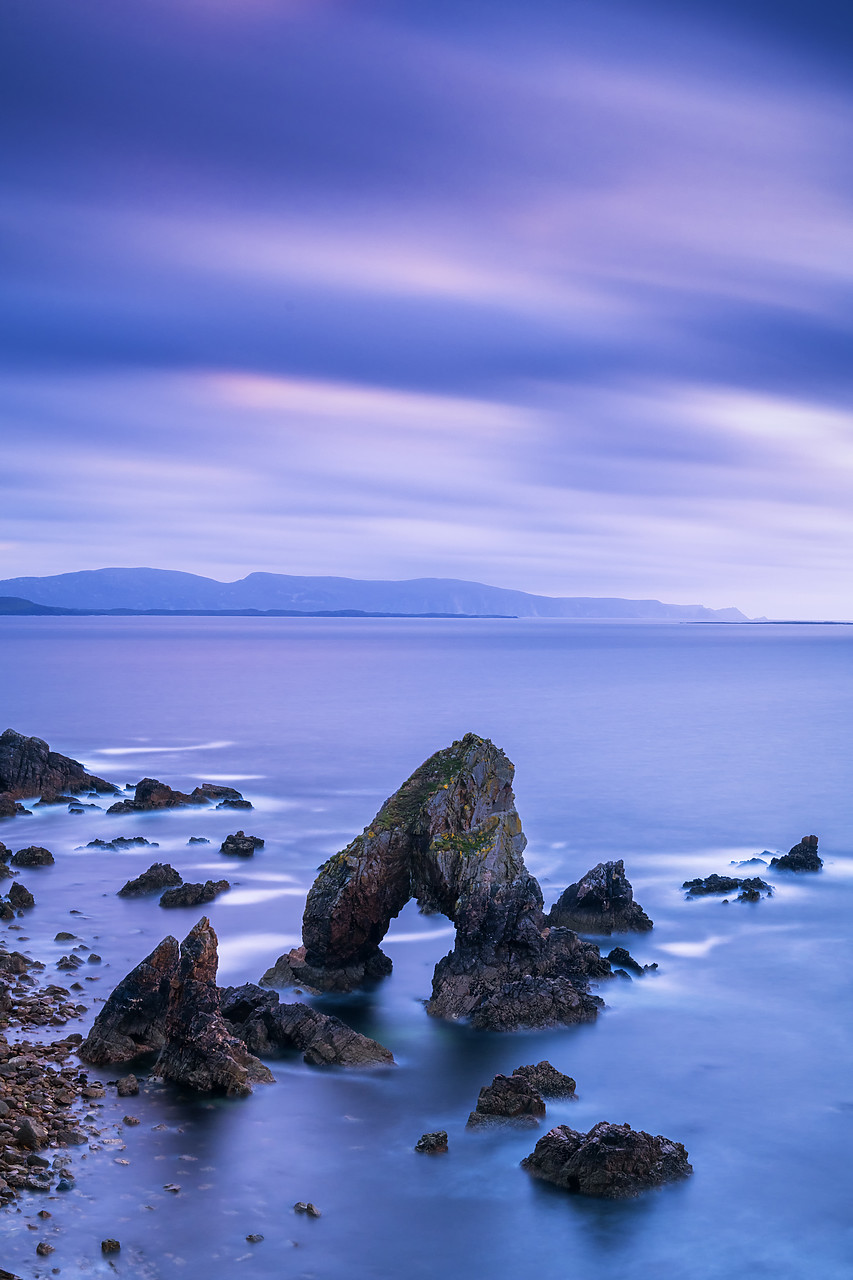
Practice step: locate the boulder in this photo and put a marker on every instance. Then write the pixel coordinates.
(547, 1080)
(133, 1019)
(28, 767)
(267, 1026)
(20, 897)
(200, 1051)
(160, 875)
(241, 845)
(33, 856)
(432, 1143)
(601, 902)
(150, 794)
(612, 1161)
(121, 842)
(507, 1098)
(127, 1086)
(194, 895)
(802, 857)
(12, 808)
(235, 804)
(451, 838)
(215, 791)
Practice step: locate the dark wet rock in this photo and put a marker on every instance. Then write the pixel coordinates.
(120, 842)
(64, 936)
(215, 791)
(547, 1080)
(127, 1086)
(267, 1026)
(241, 845)
(160, 875)
(802, 857)
(235, 804)
(110, 1246)
(619, 957)
(194, 895)
(724, 884)
(20, 897)
(5, 853)
(33, 856)
(612, 1161)
(31, 1134)
(11, 808)
(71, 962)
(507, 1098)
(748, 895)
(752, 862)
(450, 838)
(601, 902)
(28, 767)
(150, 794)
(432, 1143)
(303, 1206)
(94, 958)
(198, 840)
(133, 1019)
(53, 797)
(254, 1238)
(7, 911)
(200, 1051)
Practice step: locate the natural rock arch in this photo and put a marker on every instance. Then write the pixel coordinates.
(451, 838)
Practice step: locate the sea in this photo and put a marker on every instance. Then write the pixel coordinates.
(680, 748)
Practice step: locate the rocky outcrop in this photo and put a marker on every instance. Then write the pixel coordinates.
(20, 898)
(28, 767)
(727, 884)
(160, 875)
(452, 839)
(33, 856)
(268, 1027)
(11, 808)
(194, 895)
(120, 842)
(240, 845)
(432, 1143)
(612, 1161)
(200, 1051)
(150, 794)
(601, 902)
(507, 1098)
(803, 857)
(547, 1080)
(621, 958)
(133, 1019)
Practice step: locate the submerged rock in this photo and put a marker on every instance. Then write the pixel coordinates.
(601, 902)
(267, 1026)
(432, 1143)
(194, 895)
(612, 1161)
(133, 1019)
(150, 794)
(802, 857)
(452, 839)
(725, 884)
(241, 845)
(160, 875)
(198, 840)
(33, 856)
(507, 1098)
(120, 842)
(200, 1050)
(28, 767)
(620, 957)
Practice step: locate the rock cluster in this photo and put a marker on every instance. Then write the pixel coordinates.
(520, 1098)
(120, 842)
(601, 902)
(160, 875)
(266, 1026)
(751, 886)
(803, 857)
(241, 845)
(194, 895)
(451, 838)
(612, 1161)
(28, 767)
(151, 794)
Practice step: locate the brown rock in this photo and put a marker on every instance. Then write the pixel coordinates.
(133, 1019)
(28, 767)
(612, 1161)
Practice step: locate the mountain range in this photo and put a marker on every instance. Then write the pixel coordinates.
(171, 590)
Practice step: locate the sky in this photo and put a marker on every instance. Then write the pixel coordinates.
(549, 295)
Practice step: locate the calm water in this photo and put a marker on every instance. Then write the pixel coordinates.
(679, 748)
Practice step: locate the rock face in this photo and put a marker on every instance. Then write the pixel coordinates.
(194, 895)
(266, 1026)
(803, 857)
(612, 1161)
(151, 794)
(160, 875)
(452, 839)
(241, 845)
(200, 1051)
(601, 902)
(33, 856)
(133, 1019)
(28, 767)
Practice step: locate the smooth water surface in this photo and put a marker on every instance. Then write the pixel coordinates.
(679, 748)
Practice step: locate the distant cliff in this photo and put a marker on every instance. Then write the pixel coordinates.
(171, 589)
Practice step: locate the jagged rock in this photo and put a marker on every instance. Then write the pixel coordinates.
(802, 857)
(200, 1051)
(748, 895)
(601, 902)
(241, 845)
(194, 895)
(267, 1026)
(452, 839)
(20, 897)
(12, 808)
(133, 1019)
(33, 856)
(621, 958)
(160, 875)
(28, 767)
(5, 853)
(432, 1143)
(507, 1098)
(150, 794)
(235, 804)
(547, 1080)
(198, 840)
(612, 1161)
(120, 842)
(723, 884)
